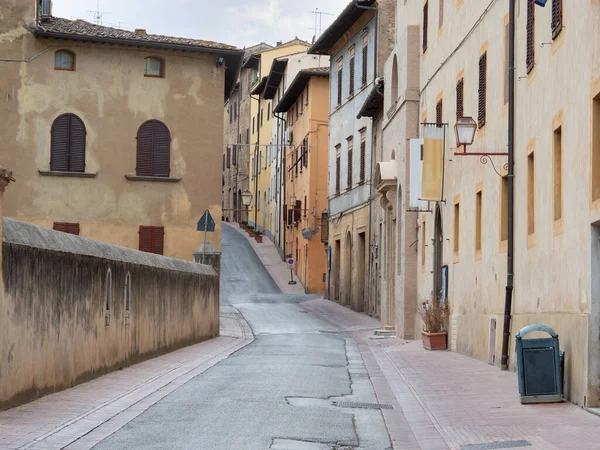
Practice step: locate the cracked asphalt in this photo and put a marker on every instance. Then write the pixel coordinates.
(275, 393)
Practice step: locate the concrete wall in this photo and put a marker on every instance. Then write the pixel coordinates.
(55, 327)
(109, 92)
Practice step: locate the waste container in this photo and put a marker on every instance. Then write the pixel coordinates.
(539, 366)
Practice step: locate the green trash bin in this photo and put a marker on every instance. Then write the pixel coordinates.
(539, 363)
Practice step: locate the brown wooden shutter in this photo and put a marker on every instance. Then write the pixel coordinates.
(305, 152)
(59, 147)
(339, 91)
(228, 157)
(76, 144)
(296, 160)
(60, 226)
(460, 98)
(66, 227)
(144, 150)
(73, 228)
(290, 215)
(285, 214)
(162, 150)
(425, 24)
(158, 240)
(482, 89)
(530, 36)
(337, 174)
(363, 151)
(351, 89)
(298, 211)
(557, 17)
(145, 239)
(365, 55)
(234, 155)
(438, 113)
(349, 168)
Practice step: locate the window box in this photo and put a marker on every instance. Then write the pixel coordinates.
(160, 179)
(56, 173)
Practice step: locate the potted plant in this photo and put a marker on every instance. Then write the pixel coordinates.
(258, 236)
(244, 224)
(434, 315)
(250, 230)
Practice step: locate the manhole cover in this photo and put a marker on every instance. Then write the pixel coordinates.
(362, 405)
(497, 444)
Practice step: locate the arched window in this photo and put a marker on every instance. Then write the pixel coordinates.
(395, 80)
(153, 150)
(67, 148)
(64, 60)
(154, 67)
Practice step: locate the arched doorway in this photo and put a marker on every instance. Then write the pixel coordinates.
(438, 252)
(347, 300)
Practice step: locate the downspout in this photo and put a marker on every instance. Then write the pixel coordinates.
(282, 175)
(511, 191)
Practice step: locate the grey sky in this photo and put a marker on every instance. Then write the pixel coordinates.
(236, 22)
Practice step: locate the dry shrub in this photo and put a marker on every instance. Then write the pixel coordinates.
(434, 315)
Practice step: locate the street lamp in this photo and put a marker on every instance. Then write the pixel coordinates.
(246, 200)
(465, 129)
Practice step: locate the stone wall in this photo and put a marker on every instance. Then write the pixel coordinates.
(64, 316)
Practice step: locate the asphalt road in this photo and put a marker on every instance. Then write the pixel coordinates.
(277, 392)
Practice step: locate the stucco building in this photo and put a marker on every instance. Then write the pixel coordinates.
(112, 134)
(358, 43)
(306, 105)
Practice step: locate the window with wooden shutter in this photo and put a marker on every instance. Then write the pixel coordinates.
(425, 24)
(438, 112)
(66, 227)
(350, 144)
(153, 150)
(530, 36)
(339, 81)
(298, 211)
(228, 157)
(296, 160)
(365, 56)
(557, 17)
(338, 166)
(67, 144)
(460, 98)
(152, 240)
(482, 89)
(363, 151)
(351, 81)
(290, 216)
(285, 214)
(234, 155)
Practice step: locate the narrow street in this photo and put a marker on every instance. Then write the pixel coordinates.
(278, 391)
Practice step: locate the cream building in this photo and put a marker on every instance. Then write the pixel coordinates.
(462, 71)
(112, 134)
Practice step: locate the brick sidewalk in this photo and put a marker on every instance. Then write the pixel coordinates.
(447, 400)
(80, 417)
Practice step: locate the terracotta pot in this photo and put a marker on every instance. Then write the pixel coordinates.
(258, 239)
(251, 233)
(434, 341)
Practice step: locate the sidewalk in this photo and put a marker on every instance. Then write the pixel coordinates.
(269, 256)
(80, 417)
(447, 400)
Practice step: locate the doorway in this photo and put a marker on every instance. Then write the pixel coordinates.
(347, 299)
(360, 297)
(337, 269)
(438, 252)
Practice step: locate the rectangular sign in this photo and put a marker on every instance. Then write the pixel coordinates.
(433, 163)
(416, 174)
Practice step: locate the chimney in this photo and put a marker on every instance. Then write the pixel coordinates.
(140, 31)
(5, 178)
(279, 43)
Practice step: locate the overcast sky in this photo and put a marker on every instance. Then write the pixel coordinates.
(236, 22)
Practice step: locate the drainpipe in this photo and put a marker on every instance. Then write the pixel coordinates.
(283, 148)
(511, 191)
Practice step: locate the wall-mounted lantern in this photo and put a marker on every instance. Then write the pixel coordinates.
(465, 131)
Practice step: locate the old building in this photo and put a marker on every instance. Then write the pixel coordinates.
(358, 43)
(306, 106)
(112, 134)
(237, 148)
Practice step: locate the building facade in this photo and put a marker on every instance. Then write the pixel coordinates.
(306, 106)
(112, 134)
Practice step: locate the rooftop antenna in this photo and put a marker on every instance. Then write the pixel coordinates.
(98, 14)
(319, 21)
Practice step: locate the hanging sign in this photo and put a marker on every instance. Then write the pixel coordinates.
(416, 174)
(433, 163)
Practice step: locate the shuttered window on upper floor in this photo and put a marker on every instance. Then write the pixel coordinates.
(153, 150)
(363, 160)
(67, 144)
(557, 17)
(350, 161)
(339, 80)
(66, 227)
(425, 24)
(351, 81)
(530, 36)
(482, 89)
(439, 109)
(460, 86)
(152, 240)
(365, 56)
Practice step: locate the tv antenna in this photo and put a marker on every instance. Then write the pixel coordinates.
(98, 14)
(319, 21)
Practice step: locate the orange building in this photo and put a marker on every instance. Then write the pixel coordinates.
(306, 103)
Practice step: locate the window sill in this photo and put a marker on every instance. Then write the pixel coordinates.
(55, 173)
(159, 179)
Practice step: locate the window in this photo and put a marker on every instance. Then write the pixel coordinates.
(65, 227)
(557, 17)
(456, 240)
(339, 81)
(504, 210)
(305, 152)
(423, 244)
(152, 239)
(235, 111)
(67, 144)
(247, 135)
(228, 157)
(46, 7)
(262, 116)
(460, 100)
(351, 82)
(258, 202)
(395, 80)
(296, 160)
(530, 36)
(441, 14)
(557, 173)
(478, 223)
(363, 159)
(302, 103)
(154, 68)
(127, 292)
(596, 148)
(253, 125)
(425, 20)
(153, 150)
(297, 109)
(531, 193)
(338, 167)
(306, 94)
(64, 60)
(269, 111)
(350, 145)
(365, 55)
(108, 292)
(482, 89)
(438, 112)
(234, 154)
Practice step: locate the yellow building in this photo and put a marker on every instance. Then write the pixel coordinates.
(306, 103)
(262, 151)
